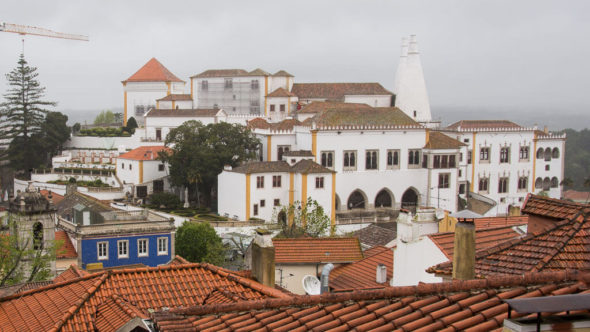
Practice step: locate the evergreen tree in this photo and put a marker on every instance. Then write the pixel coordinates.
(22, 116)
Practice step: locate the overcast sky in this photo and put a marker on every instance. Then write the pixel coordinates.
(478, 56)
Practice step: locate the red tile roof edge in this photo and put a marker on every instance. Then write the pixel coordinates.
(391, 292)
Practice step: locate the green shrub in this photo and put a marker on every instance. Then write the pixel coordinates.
(167, 200)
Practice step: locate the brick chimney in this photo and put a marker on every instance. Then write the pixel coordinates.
(263, 258)
(464, 253)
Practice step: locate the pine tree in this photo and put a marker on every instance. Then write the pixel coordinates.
(21, 118)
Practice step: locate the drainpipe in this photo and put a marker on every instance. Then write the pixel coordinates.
(325, 279)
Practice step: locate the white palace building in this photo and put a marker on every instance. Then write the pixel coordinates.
(356, 148)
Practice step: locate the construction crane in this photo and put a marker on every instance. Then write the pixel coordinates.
(28, 30)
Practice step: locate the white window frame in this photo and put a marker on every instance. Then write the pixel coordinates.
(160, 252)
(328, 154)
(349, 167)
(147, 247)
(126, 254)
(319, 182)
(373, 166)
(393, 165)
(106, 256)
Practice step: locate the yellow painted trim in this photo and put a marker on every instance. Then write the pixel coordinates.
(288, 105)
(333, 214)
(173, 104)
(192, 86)
(247, 197)
(268, 148)
(472, 163)
(427, 136)
(141, 171)
(157, 104)
(291, 194)
(169, 88)
(124, 105)
(303, 194)
(314, 144)
(534, 152)
(265, 94)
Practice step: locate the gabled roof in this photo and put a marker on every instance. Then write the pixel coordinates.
(440, 141)
(474, 305)
(114, 312)
(375, 235)
(153, 71)
(550, 207)
(307, 166)
(144, 153)
(349, 114)
(280, 92)
(304, 166)
(176, 97)
(258, 72)
(72, 305)
(479, 124)
(285, 125)
(337, 91)
(65, 206)
(67, 249)
(362, 274)
(72, 272)
(566, 245)
(484, 238)
(282, 73)
(182, 113)
(317, 250)
(54, 196)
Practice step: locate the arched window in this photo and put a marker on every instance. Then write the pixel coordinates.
(555, 153)
(383, 199)
(554, 182)
(540, 153)
(38, 236)
(546, 183)
(356, 200)
(547, 154)
(346, 160)
(538, 182)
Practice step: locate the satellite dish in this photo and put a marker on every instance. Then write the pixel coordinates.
(439, 213)
(311, 284)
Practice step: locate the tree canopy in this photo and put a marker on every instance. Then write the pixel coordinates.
(577, 159)
(199, 153)
(307, 220)
(22, 115)
(105, 117)
(198, 242)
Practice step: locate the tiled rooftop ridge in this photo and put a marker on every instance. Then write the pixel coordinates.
(551, 207)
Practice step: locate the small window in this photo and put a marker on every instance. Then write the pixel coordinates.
(547, 167)
(452, 162)
(462, 189)
(319, 182)
(276, 181)
(540, 153)
(327, 159)
(554, 182)
(262, 203)
(547, 154)
(443, 180)
(255, 209)
(413, 158)
(392, 159)
(555, 153)
(282, 149)
(523, 153)
(142, 248)
(162, 246)
(272, 107)
(228, 83)
(523, 183)
(277, 202)
(349, 160)
(444, 162)
(484, 154)
(483, 184)
(504, 155)
(103, 250)
(546, 183)
(371, 159)
(415, 113)
(466, 140)
(260, 182)
(538, 183)
(460, 173)
(123, 249)
(436, 161)
(282, 107)
(254, 85)
(161, 167)
(123, 165)
(130, 166)
(469, 153)
(503, 185)
(204, 85)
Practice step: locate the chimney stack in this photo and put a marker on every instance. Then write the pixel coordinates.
(381, 277)
(263, 258)
(464, 253)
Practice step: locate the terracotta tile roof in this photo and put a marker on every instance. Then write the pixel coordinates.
(67, 249)
(258, 123)
(280, 92)
(473, 305)
(144, 153)
(484, 238)
(258, 72)
(181, 113)
(54, 196)
(285, 125)
(320, 106)
(478, 124)
(176, 97)
(72, 305)
(114, 312)
(375, 235)
(493, 222)
(564, 246)
(153, 71)
(337, 91)
(22, 287)
(304, 166)
(362, 274)
(73, 272)
(577, 196)
(349, 114)
(550, 207)
(221, 73)
(317, 250)
(64, 207)
(282, 73)
(440, 141)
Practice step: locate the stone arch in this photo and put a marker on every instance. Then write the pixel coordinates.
(547, 154)
(282, 218)
(337, 203)
(555, 153)
(357, 200)
(410, 199)
(384, 198)
(554, 182)
(37, 236)
(546, 183)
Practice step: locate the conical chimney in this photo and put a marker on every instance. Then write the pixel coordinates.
(401, 65)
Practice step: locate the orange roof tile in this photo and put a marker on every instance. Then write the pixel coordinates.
(472, 305)
(317, 250)
(67, 249)
(144, 153)
(280, 92)
(71, 305)
(493, 222)
(337, 91)
(550, 207)
(153, 71)
(176, 97)
(73, 272)
(362, 274)
(114, 312)
(440, 141)
(54, 196)
(484, 238)
(478, 124)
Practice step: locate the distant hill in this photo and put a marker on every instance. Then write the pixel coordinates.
(87, 116)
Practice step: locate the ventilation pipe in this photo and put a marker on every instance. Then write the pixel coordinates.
(325, 279)
(381, 277)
